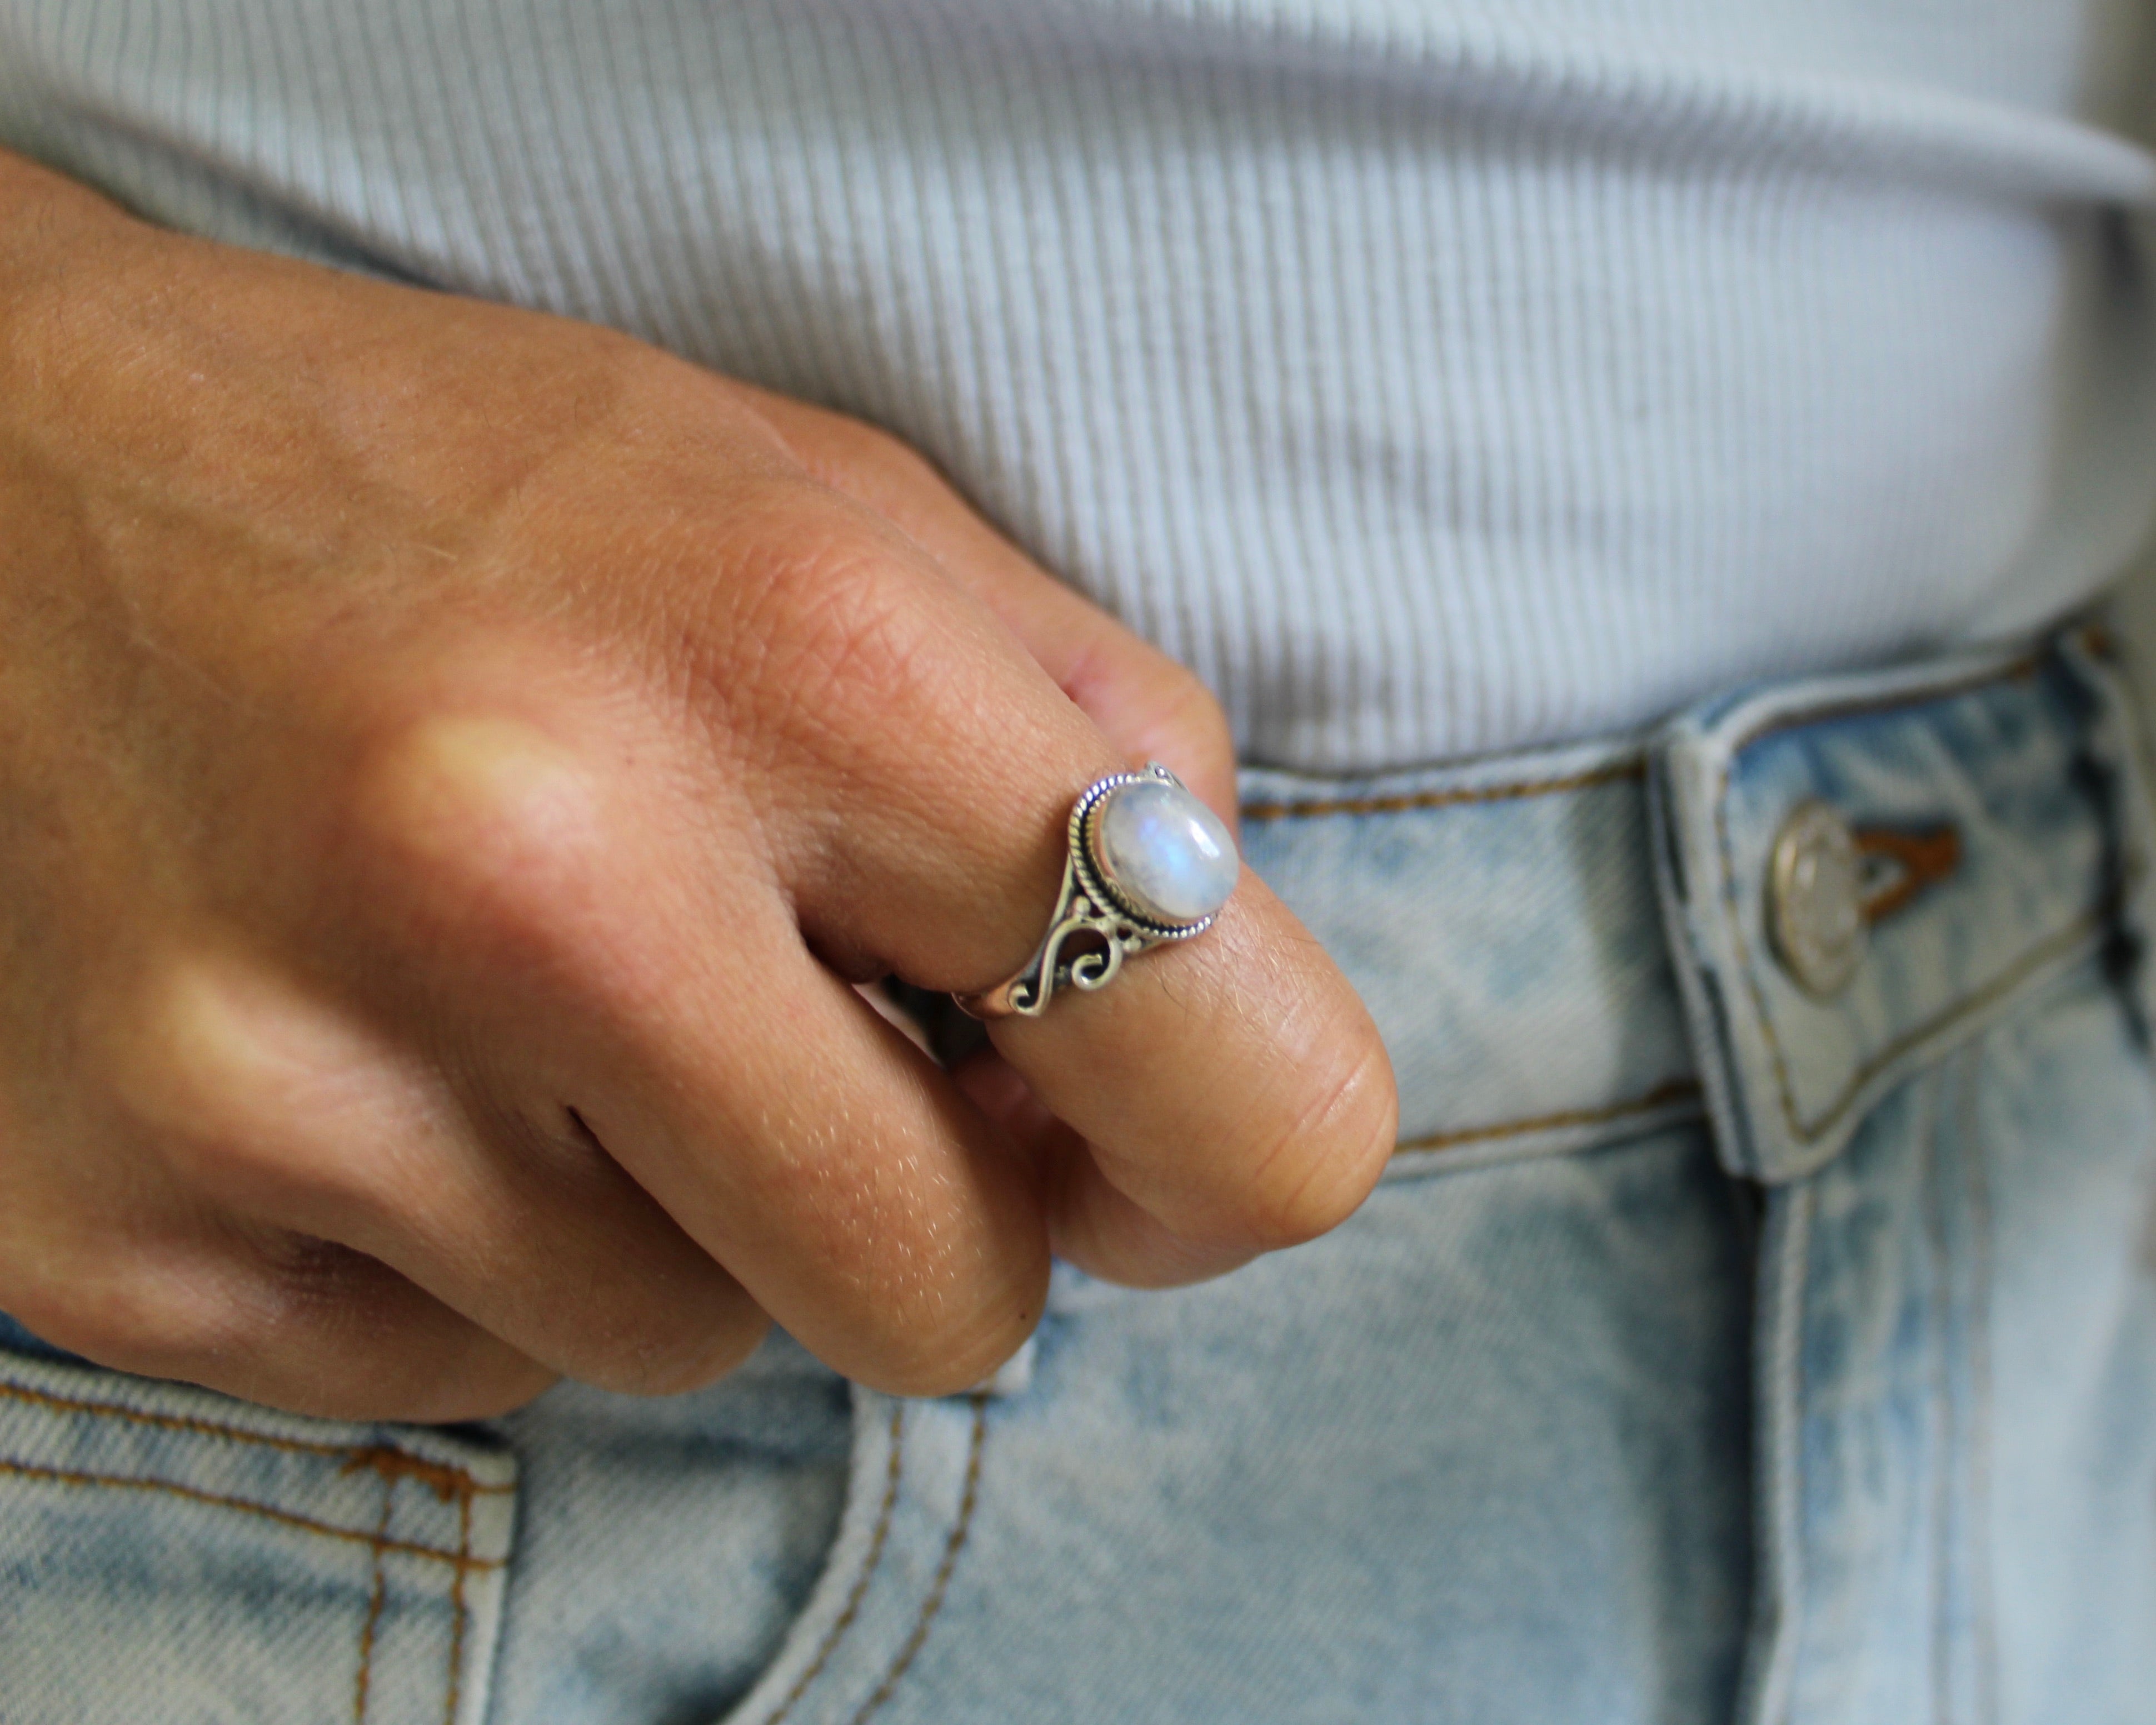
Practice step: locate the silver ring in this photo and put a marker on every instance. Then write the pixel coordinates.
(1148, 863)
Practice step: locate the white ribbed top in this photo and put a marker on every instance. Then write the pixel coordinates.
(1433, 376)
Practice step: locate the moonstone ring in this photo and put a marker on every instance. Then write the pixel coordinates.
(1148, 863)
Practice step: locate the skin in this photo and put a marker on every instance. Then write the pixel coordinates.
(455, 764)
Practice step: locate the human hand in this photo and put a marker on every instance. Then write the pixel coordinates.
(454, 762)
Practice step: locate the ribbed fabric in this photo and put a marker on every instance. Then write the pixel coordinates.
(1433, 377)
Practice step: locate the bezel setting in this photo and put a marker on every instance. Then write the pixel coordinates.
(1090, 905)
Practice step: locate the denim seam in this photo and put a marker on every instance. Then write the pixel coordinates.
(893, 1472)
(1662, 1095)
(458, 1610)
(1944, 1426)
(933, 1603)
(460, 1560)
(2031, 959)
(465, 1481)
(1800, 711)
(1777, 1612)
(1984, 1685)
(1319, 808)
(1800, 1281)
(376, 1596)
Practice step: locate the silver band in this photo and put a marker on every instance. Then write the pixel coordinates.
(1088, 910)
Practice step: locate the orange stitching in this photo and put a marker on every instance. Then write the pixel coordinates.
(1315, 806)
(169, 1422)
(210, 1428)
(450, 1484)
(2034, 958)
(837, 1632)
(2048, 947)
(2017, 671)
(1925, 859)
(934, 1603)
(375, 1597)
(1662, 1095)
(446, 1480)
(306, 1524)
(457, 1609)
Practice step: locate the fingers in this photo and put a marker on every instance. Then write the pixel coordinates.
(1091, 1223)
(1233, 1087)
(317, 1328)
(623, 906)
(1230, 1094)
(302, 1124)
(648, 974)
(548, 1060)
(877, 1217)
(1251, 1103)
(1149, 707)
(300, 1325)
(1251, 1106)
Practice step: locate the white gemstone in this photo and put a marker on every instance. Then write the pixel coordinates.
(1164, 851)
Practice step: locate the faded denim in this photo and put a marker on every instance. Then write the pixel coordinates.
(1713, 1350)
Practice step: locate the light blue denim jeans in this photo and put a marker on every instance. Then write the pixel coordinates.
(1718, 1346)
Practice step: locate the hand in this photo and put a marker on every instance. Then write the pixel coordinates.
(454, 762)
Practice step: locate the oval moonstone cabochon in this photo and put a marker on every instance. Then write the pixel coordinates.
(1164, 851)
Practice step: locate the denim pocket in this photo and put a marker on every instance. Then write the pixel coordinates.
(169, 1553)
(913, 1490)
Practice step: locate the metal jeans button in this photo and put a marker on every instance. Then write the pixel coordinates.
(1815, 901)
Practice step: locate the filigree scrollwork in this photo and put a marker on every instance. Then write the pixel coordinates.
(1086, 910)
(1093, 967)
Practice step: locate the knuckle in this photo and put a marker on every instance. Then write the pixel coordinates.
(290, 1323)
(339, 1335)
(172, 1073)
(153, 1319)
(934, 1296)
(663, 1327)
(234, 1078)
(481, 820)
(940, 1346)
(1192, 714)
(671, 1357)
(935, 1370)
(853, 643)
(1161, 701)
(875, 450)
(850, 455)
(303, 1278)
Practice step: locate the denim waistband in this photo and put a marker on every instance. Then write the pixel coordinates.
(1574, 943)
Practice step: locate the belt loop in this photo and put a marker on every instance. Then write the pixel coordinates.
(1683, 768)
